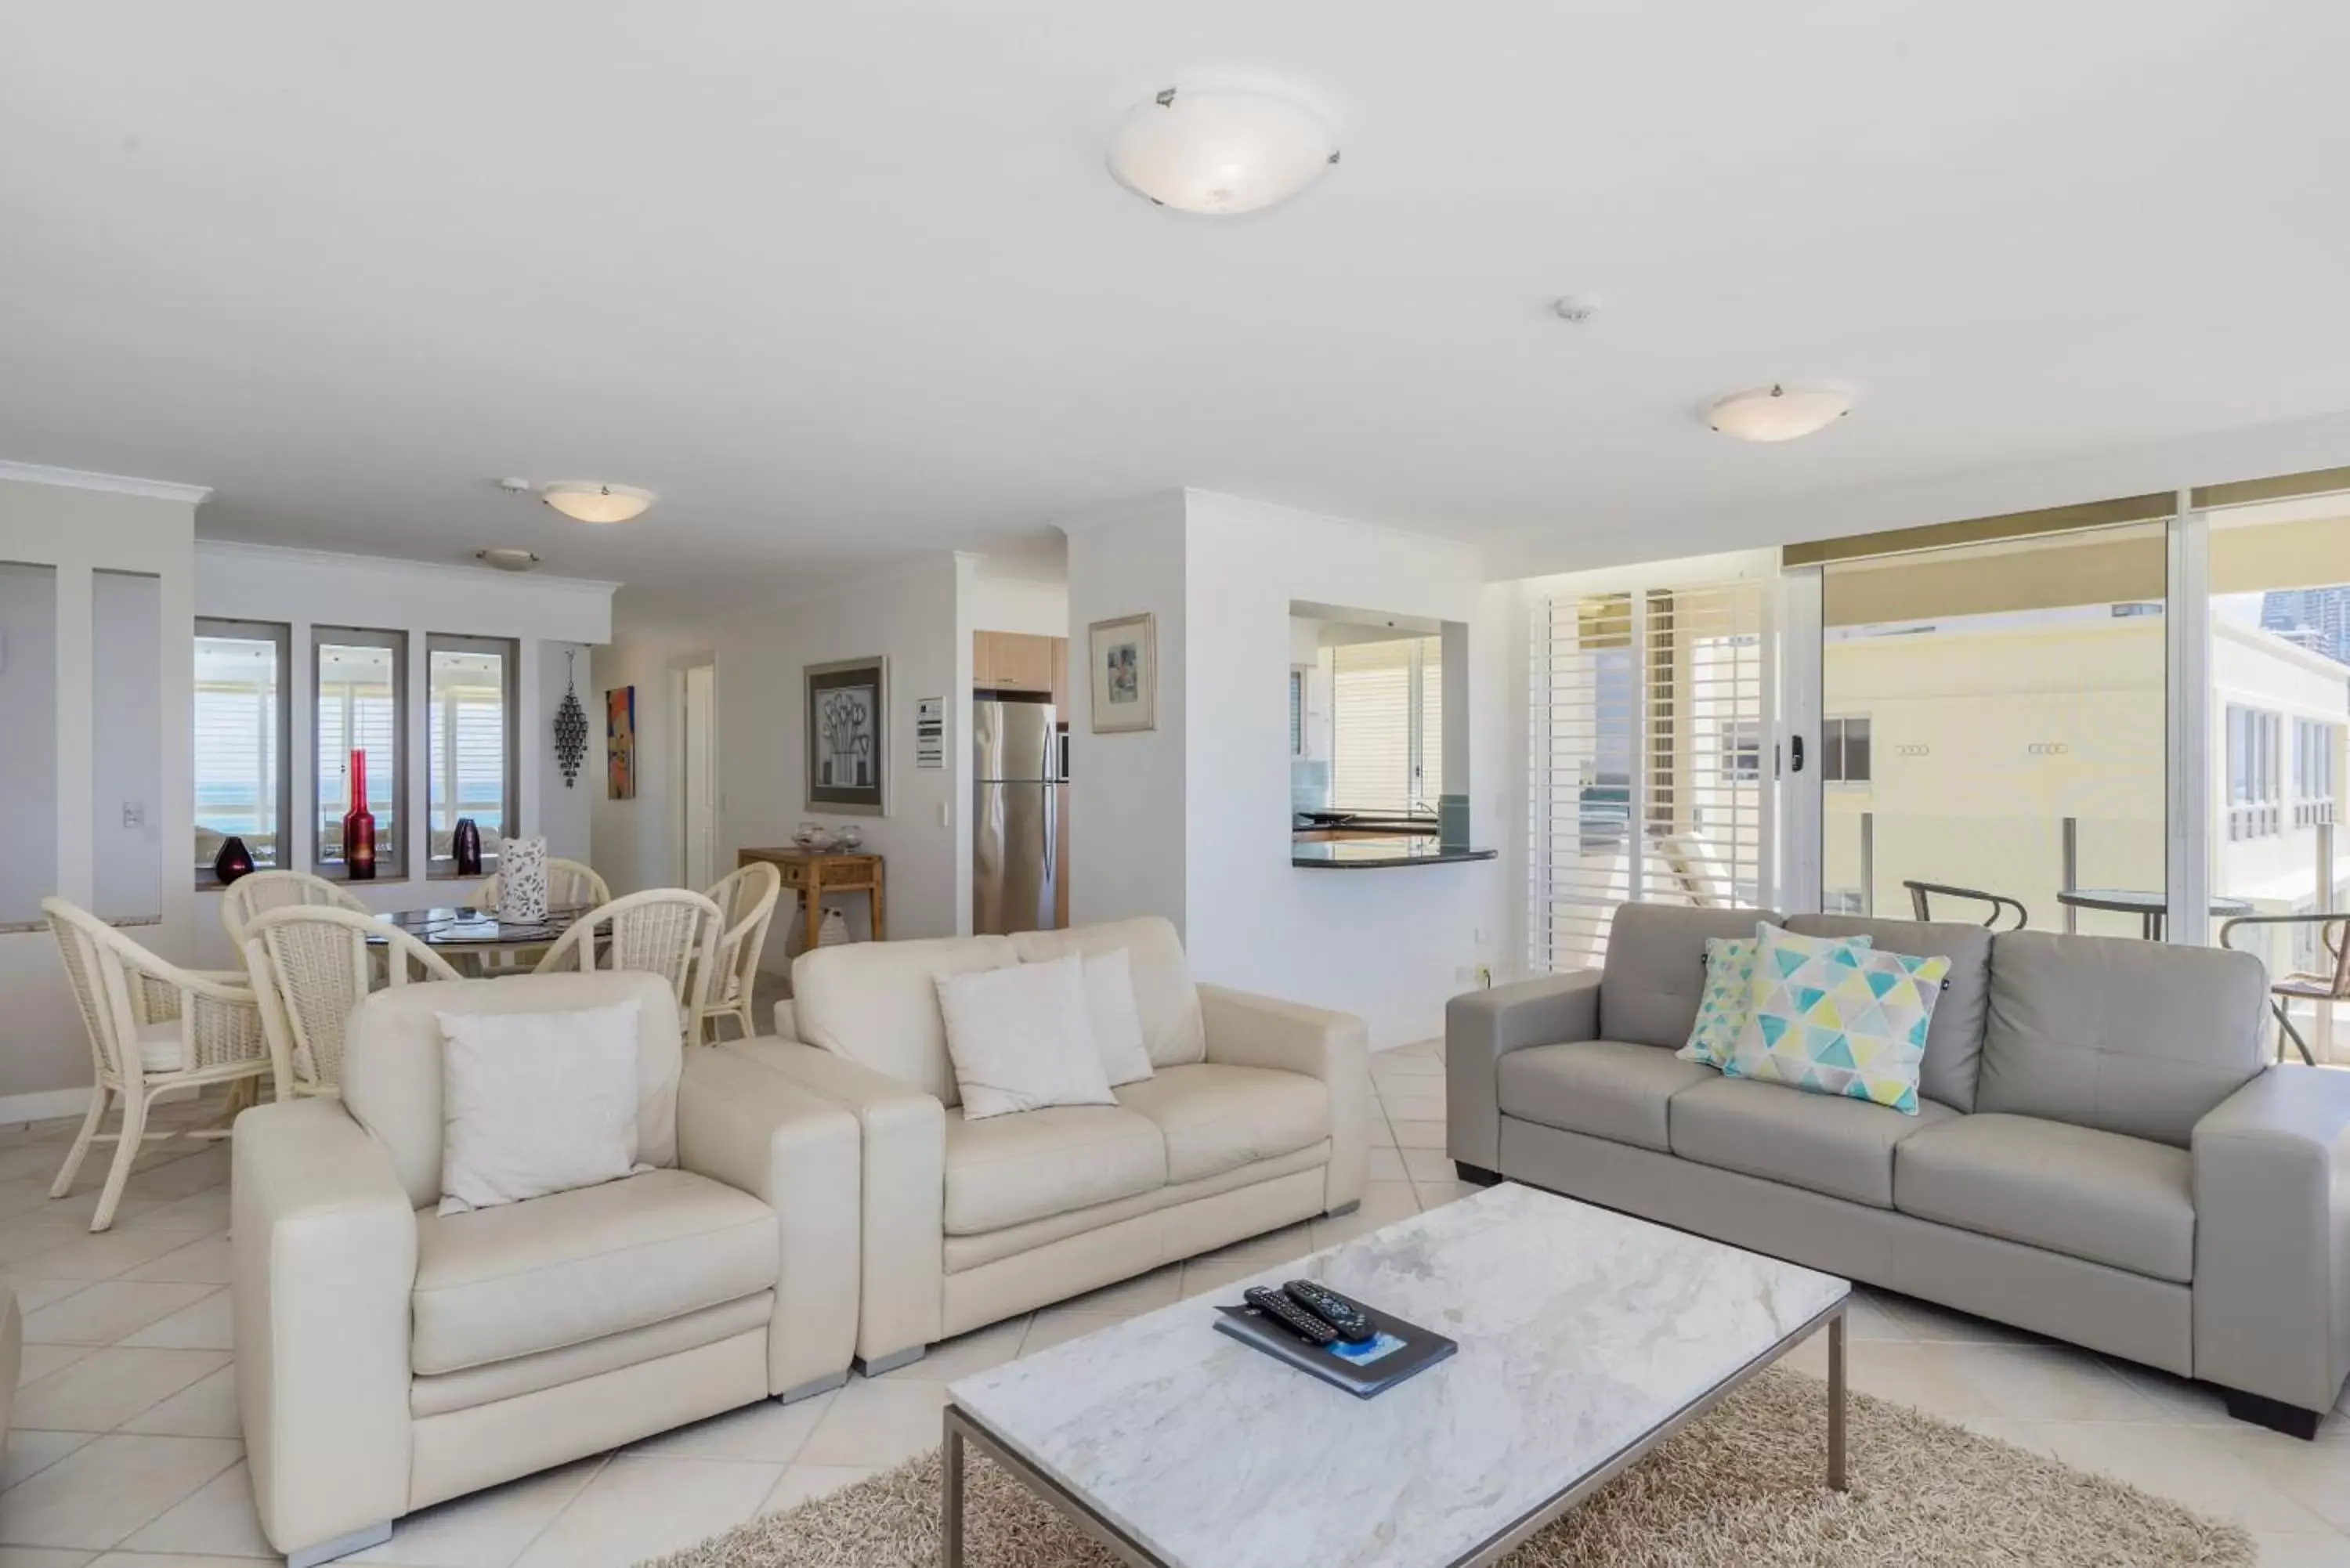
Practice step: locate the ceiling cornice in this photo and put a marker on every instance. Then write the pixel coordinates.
(113, 484)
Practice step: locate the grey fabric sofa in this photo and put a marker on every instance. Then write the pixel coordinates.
(2101, 1155)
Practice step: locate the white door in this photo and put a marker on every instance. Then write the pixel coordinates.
(700, 728)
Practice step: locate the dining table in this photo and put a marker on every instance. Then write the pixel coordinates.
(2149, 907)
(477, 939)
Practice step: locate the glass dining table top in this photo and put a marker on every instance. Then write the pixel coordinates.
(464, 926)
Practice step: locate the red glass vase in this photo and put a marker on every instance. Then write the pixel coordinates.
(359, 826)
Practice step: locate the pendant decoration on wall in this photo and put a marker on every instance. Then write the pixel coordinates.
(570, 727)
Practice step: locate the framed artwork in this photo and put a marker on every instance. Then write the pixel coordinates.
(620, 743)
(847, 736)
(1123, 655)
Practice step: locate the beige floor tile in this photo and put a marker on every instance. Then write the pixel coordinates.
(1932, 1324)
(185, 1175)
(484, 1529)
(218, 1520)
(1869, 1318)
(806, 1483)
(2316, 1475)
(203, 1263)
(1423, 1164)
(966, 1355)
(1386, 1165)
(1413, 1107)
(1433, 1193)
(1382, 1136)
(109, 1488)
(107, 1387)
(206, 1408)
(2051, 1383)
(1406, 1059)
(33, 1294)
(1411, 1134)
(1273, 1247)
(31, 1452)
(29, 1163)
(767, 1433)
(2184, 1463)
(877, 1422)
(40, 1360)
(45, 1557)
(76, 1254)
(111, 1310)
(204, 1326)
(205, 1212)
(80, 1206)
(2279, 1550)
(638, 1508)
(179, 1560)
(1935, 1378)
(1048, 1329)
(25, 1236)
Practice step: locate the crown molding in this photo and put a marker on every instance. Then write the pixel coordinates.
(113, 484)
(232, 549)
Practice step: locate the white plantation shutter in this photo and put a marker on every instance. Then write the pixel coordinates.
(1651, 759)
(470, 723)
(238, 749)
(1370, 709)
(358, 707)
(1431, 721)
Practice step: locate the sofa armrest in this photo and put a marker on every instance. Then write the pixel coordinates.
(322, 1263)
(757, 1131)
(2272, 1238)
(787, 1021)
(902, 1183)
(1247, 1031)
(1480, 1027)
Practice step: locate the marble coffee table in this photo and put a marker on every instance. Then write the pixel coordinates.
(1586, 1338)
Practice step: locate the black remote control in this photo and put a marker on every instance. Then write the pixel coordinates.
(1353, 1323)
(1292, 1316)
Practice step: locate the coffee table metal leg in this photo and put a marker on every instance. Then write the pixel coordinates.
(950, 1495)
(1835, 1403)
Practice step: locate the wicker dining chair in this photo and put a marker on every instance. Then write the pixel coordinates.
(152, 1027)
(746, 903)
(256, 891)
(668, 931)
(2320, 987)
(569, 886)
(309, 968)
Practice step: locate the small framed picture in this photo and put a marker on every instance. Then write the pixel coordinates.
(1124, 657)
(848, 736)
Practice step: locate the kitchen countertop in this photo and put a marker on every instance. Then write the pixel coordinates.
(1374, 853)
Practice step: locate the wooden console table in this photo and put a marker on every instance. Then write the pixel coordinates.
(812, 872)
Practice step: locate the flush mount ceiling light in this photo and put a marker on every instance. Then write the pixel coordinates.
(588, 502)
(1778, 412)
(506, 559)
(1221, 150)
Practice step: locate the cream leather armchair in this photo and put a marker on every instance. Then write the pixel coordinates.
(1257, 1117)
(390, 1357)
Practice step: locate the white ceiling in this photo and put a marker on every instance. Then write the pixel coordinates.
(844, 282)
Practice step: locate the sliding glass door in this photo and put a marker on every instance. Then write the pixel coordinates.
(1989, 740)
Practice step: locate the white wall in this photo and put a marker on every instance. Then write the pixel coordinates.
(638, 843)
(1127, 823)
(128, 858)
(1386, 944)
(81, 524)
(543, 615)
(1017, 604)
(919, 618)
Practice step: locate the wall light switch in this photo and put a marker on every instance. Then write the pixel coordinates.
(134, 813)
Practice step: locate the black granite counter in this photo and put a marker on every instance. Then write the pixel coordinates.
(1373, 853)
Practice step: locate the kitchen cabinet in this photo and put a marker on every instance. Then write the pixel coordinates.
(1013, 661)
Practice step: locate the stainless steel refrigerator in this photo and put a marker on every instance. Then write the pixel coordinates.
(1015, 814)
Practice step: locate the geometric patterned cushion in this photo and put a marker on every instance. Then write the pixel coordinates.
(1729, 999)
(1832, 1017)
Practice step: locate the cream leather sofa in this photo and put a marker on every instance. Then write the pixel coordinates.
(389, 1357)
(1257, 1118)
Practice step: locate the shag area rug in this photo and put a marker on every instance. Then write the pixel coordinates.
(1740, 1489)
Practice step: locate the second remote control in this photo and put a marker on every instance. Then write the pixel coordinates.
(1347, 1317)
(1292, 1316)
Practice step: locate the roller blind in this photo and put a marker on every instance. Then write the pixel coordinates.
(1651, 759)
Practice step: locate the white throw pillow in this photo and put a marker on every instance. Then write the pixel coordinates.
(1021, 1040)
(534, 1103)
(1116, 1017)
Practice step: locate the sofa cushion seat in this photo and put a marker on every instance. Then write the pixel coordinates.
(575, 1266)
(1216, 1118)
(1607, 1088)
(1029, 1165)
(1822, 1143)
(2099, 1196)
